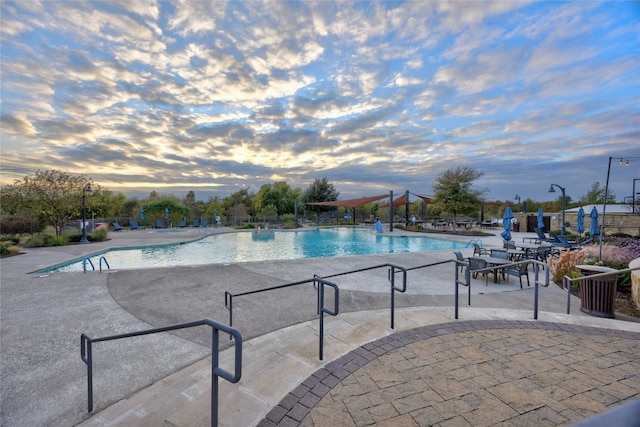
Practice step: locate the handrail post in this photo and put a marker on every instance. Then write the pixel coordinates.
(87, 357)
(336, 303)
(467, 283)
(392, 276)
(566, 285)
(214, 376)
(228, 303)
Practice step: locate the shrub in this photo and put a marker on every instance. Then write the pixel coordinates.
(98, 235)
(247, 226)
(565, 264)
(37, 241)
(58, 240)
(8, 249)
(10, 239)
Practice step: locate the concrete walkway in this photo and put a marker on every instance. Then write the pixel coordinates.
(460, 370)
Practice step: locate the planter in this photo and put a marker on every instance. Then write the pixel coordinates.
(598, 295)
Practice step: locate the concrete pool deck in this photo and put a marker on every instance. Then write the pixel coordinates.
(163, 379)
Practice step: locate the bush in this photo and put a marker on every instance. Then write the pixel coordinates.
(18, 225)
(37, 241)
(98, 235)
(565, 264)
(9, 249)
(58, 240)
(247, 226)
(10, 239)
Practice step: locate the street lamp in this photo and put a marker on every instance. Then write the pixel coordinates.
(551, 190)
(633, 202)
(518, 199)
(86, 189)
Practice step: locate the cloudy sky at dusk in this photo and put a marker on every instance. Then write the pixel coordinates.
(375, 96)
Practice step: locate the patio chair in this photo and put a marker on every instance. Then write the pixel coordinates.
(134, 224)
(518, 271)
(182, 224)
(478, 264)
(204, 223)
(196, 223)
(498, 253)
(479, 250)
(117, 227)
(459, 257)
(159, 223)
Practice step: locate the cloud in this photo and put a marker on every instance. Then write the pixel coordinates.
(371, 95)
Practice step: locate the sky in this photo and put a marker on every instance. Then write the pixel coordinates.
(213, 97)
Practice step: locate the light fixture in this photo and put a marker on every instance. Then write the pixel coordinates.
(564, 197)
(86, 189)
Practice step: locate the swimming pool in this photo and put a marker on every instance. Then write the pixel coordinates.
(246, 246)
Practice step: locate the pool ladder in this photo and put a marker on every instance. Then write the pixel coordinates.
(93, 267)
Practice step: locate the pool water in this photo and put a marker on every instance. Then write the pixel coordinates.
(245, 246)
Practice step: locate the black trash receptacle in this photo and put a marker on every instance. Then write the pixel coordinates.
(598, 295)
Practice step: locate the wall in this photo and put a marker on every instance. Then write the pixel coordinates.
(615, 222)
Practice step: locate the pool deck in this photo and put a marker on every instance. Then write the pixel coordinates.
(493, 366)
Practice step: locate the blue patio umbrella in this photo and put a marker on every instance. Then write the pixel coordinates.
(594, 222)
(540, 219)
(141, 214)
(506, 224)
(166, 214)
(580, 220)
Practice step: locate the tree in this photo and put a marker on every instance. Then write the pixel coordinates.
(454, 192)
(595, 196)
(279, 195)
(52, 196)
(156, 209)
(320, 191)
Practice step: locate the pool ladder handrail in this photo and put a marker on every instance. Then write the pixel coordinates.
(93, 267)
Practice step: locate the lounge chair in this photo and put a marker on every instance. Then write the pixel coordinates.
(563, 242)
(117, 227)
(541, 235)
(204, 223)
(196, 223)
(159, 223)
(182, 224)
(134, 224)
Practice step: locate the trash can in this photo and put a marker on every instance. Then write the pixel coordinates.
(598, 295)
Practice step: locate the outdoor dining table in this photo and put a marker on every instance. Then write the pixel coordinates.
(515, 253)
(493, 262)
(528, 246)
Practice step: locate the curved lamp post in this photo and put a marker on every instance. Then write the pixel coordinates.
(518, 199)
(85, 190)
(551, 190)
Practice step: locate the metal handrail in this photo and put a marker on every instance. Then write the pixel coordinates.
(86, 354)
(467, 279)
(321, 283)
(567, 281)
(102, 258)
(84, 264)
(228, 296)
